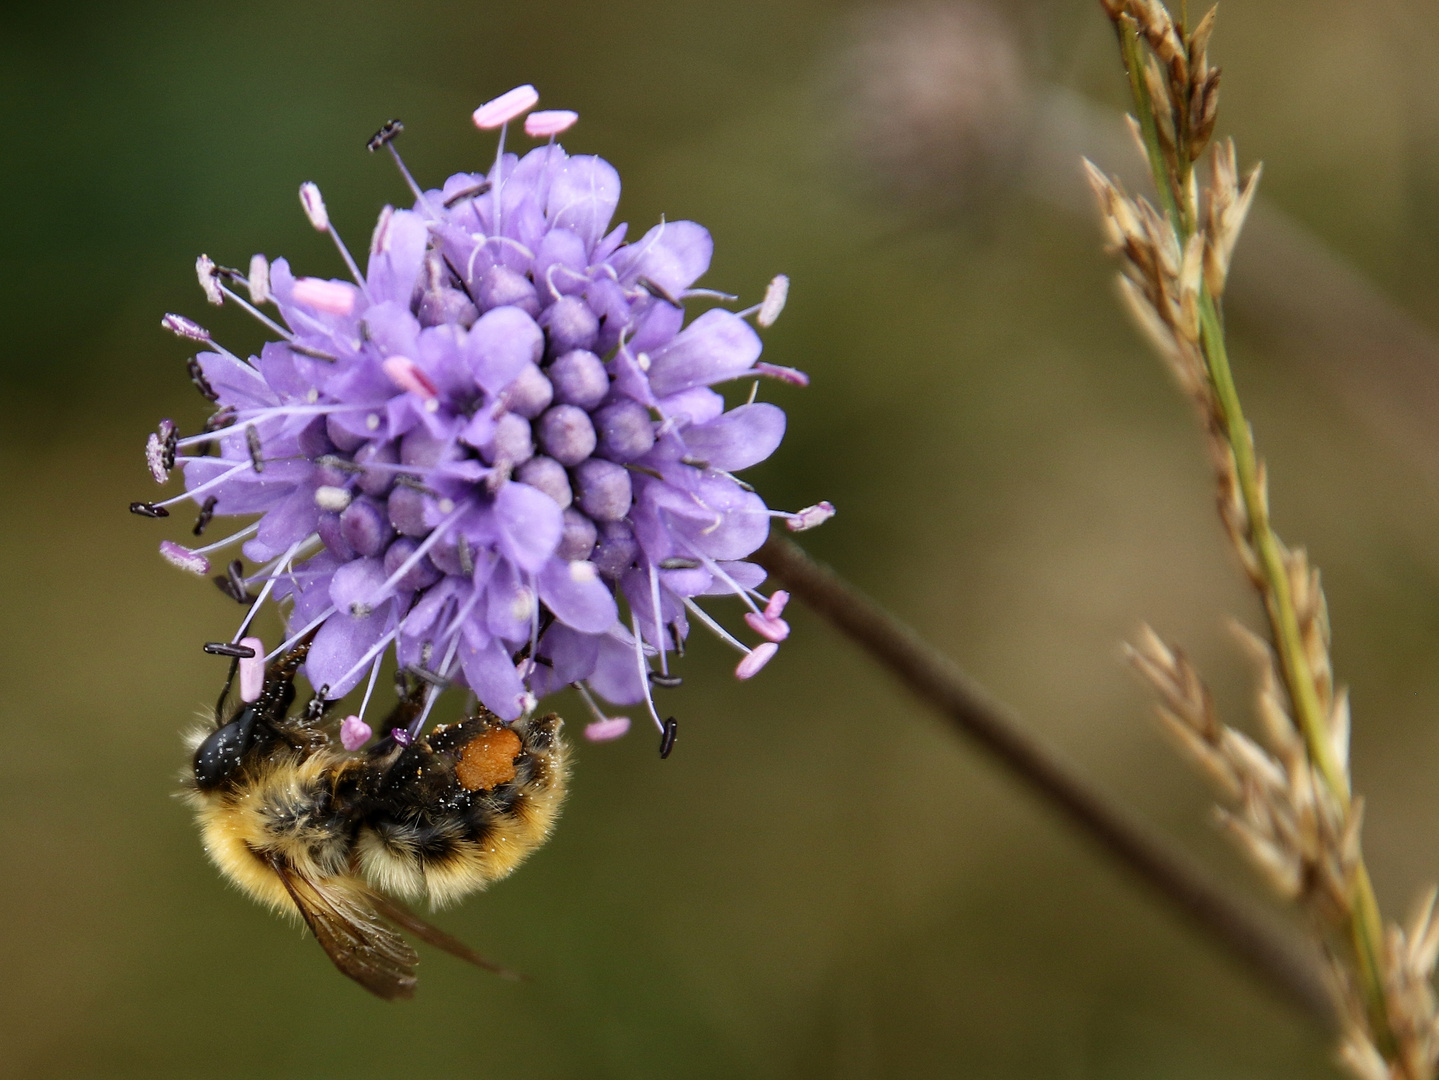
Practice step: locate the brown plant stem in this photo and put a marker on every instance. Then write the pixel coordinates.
(1227, 921)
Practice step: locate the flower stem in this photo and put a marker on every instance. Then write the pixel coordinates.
(931, 676)
(1365, 929)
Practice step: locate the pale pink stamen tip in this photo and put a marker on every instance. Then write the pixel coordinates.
(501, 110)
(755, 659)
(774, 298)
(542, 125)
(185, 328)
(331, 297)
(404, 373)
(766, 627)
(155, 458)
(793, 376)
(259, 279)
(252, 670)
(354, 733)
(605, 730)
(811, 517)
(205, 273)
(181, 556)
(314, 205)
(775, 608)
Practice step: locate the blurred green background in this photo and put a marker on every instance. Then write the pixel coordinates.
(822, 881)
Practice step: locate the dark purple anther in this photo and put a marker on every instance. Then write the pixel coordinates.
(149, 510)
(580, 379)
(501, 287)
(578, 538)
(569, 324)
(207, 511)
(567, 434)
(602, 489)
(549, 476)
(625, 431)
(365, 528)
(401, 736)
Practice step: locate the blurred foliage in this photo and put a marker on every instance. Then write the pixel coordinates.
(821, 882)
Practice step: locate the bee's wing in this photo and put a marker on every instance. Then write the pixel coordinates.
(343, 919)
(406, 919)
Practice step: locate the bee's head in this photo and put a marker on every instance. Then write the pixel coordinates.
(223, 750)
(217, 758)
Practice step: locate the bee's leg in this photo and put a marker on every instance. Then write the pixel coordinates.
(225, 690)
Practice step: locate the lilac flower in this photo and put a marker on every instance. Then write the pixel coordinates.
(498, 451)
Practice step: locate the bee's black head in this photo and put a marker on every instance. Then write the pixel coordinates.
(221, 753)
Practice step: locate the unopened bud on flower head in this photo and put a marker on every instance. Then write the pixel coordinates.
(550, 122)
(810, 517)
(252, 670)
(604, 730)
(501, 110)
(354, 733)
(185, 328)
(331, 297)
(178, 555)
(774, 298)
(314, 205)
(755, 659)
(259, 279)
(205, 272)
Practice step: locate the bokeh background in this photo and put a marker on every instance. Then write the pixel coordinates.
(822, 881)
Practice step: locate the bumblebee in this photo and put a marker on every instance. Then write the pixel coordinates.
(303, 826)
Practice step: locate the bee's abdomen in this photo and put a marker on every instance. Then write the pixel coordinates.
(463, 807)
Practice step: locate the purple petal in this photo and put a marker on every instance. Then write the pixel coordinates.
(530, 525)
(718, 345)
(740, 438)
(236, 382)
(491, 673)
(616, 677)
(744, 574)
(398, 252)
(674, 254)
(577, 596)
(584, 192)
(355, 587)
(572, 657)
(700, 405)
(499, 346)
(338, 647)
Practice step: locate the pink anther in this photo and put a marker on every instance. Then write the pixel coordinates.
(331, 297)
(542, 125)
(793, 376)
(766, 627)
(181, 556)
(810, 517)
(605, 730)
(314, 205)
(354, 733)
(755, 659)
(405, 374)
(775, 608)
(252, 670)
(185, 328)
(501, 110)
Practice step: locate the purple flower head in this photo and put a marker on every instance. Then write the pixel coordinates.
(497, 452)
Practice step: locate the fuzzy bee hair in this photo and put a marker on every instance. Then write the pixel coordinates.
(304, 827)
